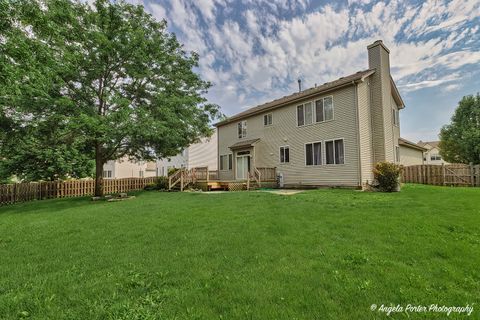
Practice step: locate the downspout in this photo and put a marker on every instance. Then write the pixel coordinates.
(357, 117)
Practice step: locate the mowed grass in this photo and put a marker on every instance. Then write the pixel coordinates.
(321, 254)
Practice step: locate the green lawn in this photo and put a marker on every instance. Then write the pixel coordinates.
(321, 254)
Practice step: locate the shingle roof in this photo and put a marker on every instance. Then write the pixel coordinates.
(434, 144)
(360, 75)
(242, 144)
(410, 144)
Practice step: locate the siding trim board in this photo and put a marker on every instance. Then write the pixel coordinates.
(357, 118)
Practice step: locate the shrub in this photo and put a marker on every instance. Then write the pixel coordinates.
(162, 183)
(150, 187)
(387, 175)
(172, 171)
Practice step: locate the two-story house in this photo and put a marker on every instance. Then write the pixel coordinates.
(329, 135)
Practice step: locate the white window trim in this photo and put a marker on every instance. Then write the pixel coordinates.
(315, 109)
(396, 117)
(266, 115)
(314, 112)
(243, 122)
(322, 146)
(344, 156)
(228, 162)
(280, 154)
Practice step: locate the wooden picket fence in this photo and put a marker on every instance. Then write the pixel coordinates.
(442, 175)
(21, 192)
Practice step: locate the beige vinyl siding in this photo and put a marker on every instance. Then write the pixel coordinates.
(203, 153)
(227, 135)
(284, 131)
(410, 156)
(124, 168)
(365, 131)
(395, 129)
(430, 152)
(376, 58)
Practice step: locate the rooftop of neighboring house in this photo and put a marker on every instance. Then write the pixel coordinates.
(410, 144)
(428, 144)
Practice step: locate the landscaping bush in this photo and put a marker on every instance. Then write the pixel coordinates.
(150, 187)
(162, 183)
(172, 171)
(387, 176)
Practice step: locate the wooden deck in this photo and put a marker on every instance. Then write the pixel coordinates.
(209, 180)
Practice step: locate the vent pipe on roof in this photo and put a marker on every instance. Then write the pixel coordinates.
(299, 85)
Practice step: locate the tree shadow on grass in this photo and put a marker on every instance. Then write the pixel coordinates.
(53, 205)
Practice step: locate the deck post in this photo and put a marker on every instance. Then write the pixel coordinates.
(181, 180)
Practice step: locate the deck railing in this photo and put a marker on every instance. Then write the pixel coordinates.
(184, 177)
(267, 173)
(213, 175)
(175, 178)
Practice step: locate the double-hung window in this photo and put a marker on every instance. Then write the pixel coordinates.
(284, 154)
(267, 119)
(305, 114)
(334, 152)
(226, 162)
(313, 112)
(395, 117)
(324, 109)
(313, 154)
(242, 129)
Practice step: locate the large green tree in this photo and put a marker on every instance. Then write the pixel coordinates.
(44, 151)
(460, 140)
(110, 75)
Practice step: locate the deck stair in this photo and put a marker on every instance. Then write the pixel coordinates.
(209, 180)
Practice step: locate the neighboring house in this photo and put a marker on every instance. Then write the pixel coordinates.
(329, 135)
(410, 153)
(125, 168)
(202, 154)
(178, 161)
(432, 153)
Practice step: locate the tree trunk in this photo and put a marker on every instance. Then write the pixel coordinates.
(98, 172)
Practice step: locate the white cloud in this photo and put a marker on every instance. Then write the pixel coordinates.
(452, 87)
(430, 82)
(257, 54)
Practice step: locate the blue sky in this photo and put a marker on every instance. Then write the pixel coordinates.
(254, 51)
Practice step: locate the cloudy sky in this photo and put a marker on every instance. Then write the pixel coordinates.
(254, 51)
